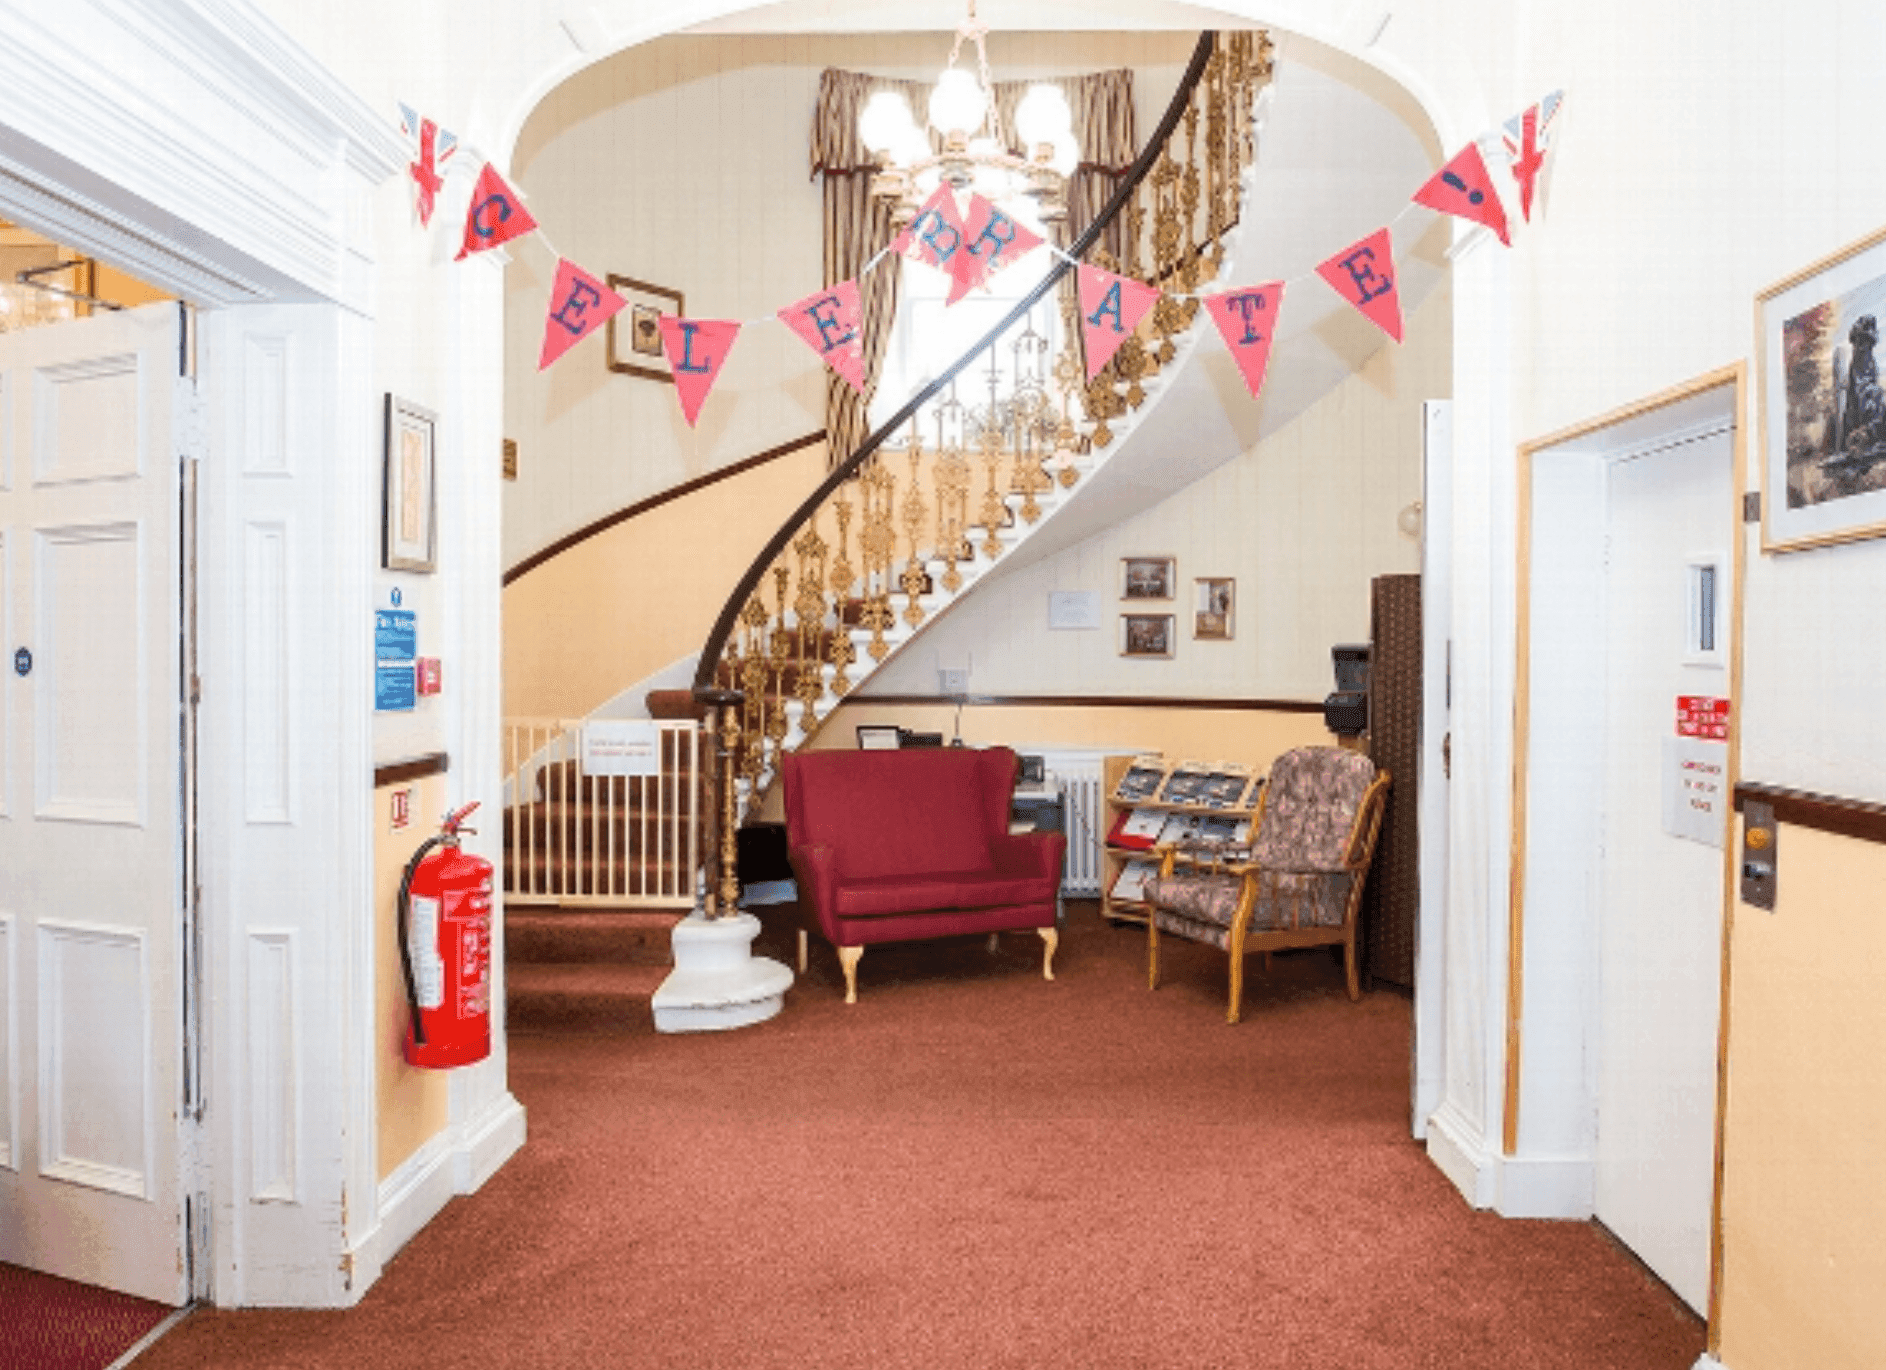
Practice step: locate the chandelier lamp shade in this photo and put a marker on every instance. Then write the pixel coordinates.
(962, 147)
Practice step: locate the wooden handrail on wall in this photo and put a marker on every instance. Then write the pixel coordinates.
(1857, 818)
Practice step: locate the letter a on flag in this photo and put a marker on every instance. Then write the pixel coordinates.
(579, 305)
(1110, 307)
(935, 236)
(496, 215)
(1463, 188)
(696, 350)
(1364, 275)
(832, 324)
(991, 241)
(1247, 319)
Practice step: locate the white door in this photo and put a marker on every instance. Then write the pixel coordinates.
(91, 861)
(1660, 906)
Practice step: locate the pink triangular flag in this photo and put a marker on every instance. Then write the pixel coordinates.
(1364, 274)
(696, 350)
(579, 305)
(936, 235)
(1110, 307)
(1247, 319)
(832, 324)
(1464, 188)
(992, 240)
(496, 215)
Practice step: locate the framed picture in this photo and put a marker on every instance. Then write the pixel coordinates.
(1823, 409)
(409, 513)
(874, 737)
(634, 335)
(1146, 578)
(1146, 635)
(1211, 608)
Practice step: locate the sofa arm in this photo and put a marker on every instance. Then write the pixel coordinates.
(815, 868)
(1032, 853)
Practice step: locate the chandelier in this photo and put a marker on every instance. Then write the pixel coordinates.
(963, 120)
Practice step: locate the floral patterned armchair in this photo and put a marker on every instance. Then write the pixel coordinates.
(1299, 884)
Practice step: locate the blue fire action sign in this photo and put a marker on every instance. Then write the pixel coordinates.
(395, 644)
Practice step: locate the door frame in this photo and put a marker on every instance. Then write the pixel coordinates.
(1553, 1055)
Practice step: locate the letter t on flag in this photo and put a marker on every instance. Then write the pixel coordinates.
(1110, 308)
(579, 305)
(1247, 319)
(1364, 275)
(496, 215)
(696, 348)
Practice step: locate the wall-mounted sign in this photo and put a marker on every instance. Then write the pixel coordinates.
(1073, 609)
(621, 746)
(1695, 789)
(1702, 716)
(395, 634)
(393, 686)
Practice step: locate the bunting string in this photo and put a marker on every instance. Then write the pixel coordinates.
(973, 243)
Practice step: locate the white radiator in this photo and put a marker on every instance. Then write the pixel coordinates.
(1077, 777)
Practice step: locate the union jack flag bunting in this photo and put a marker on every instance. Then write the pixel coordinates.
(1528, 137)
(432, 149)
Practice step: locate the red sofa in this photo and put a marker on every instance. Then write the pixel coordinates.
(898, 846)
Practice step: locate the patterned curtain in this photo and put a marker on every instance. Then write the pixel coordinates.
(856, 227)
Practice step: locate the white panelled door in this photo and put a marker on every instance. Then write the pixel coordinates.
(91, 823)
(1660, 925)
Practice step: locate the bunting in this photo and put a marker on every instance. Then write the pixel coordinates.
(697, 349)
(1111, 307)
(579, 305)
(1364, 274)
(971, 247)
(831, 323)
(497, 215)
(1464, 188)
(1247, 320)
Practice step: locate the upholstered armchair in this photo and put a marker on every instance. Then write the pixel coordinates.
(1299, 884)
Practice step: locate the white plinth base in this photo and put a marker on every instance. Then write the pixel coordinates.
(718, 982)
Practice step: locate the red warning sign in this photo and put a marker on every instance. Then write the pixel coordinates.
(1701, 716)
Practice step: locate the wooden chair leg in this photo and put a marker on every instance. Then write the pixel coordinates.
(1053, 940)
(1349, 967)
(995, 943)
(802, 951)
(1152, 953)
(848, 962)
(1236, 1008)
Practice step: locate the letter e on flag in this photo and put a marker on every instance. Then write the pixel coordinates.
(1110, 308)
(697, 349)
(496, 215)
(579, 305)
(1247, 320)
(1364, 274)
(832, 324)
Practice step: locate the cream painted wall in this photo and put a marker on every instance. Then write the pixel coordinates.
(1303, 522)
(638, 597)
(684, 162)
(1804, 1262)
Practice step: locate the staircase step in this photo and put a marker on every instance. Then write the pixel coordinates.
(540, 936)
(563, 996)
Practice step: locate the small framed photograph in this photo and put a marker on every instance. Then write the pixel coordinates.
(1823, 409)
(1212, 598)
(1146, 635)
(875, 737)
(409, 507)
(634, 333)
(1147, 578)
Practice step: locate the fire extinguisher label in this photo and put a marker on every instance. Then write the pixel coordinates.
(428, 965)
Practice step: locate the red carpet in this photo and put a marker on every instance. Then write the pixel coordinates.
(53, 1324)
(974, 1168)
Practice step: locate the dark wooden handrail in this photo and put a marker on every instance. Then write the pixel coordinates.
(1149, 154)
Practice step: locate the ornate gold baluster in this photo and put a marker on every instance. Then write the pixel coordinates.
(809, 608)
(915, 579)
(994, 516)
(877, 542)
(952, 512)
(841, 653)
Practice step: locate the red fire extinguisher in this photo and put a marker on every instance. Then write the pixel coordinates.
(445, 949)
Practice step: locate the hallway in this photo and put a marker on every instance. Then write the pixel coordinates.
(973, 1167)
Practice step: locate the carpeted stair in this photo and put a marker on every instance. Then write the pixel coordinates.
(574, 969)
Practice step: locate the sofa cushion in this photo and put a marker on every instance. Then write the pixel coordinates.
(900, 813)
(885, 895)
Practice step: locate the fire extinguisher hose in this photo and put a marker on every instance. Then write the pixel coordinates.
(405, 933)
